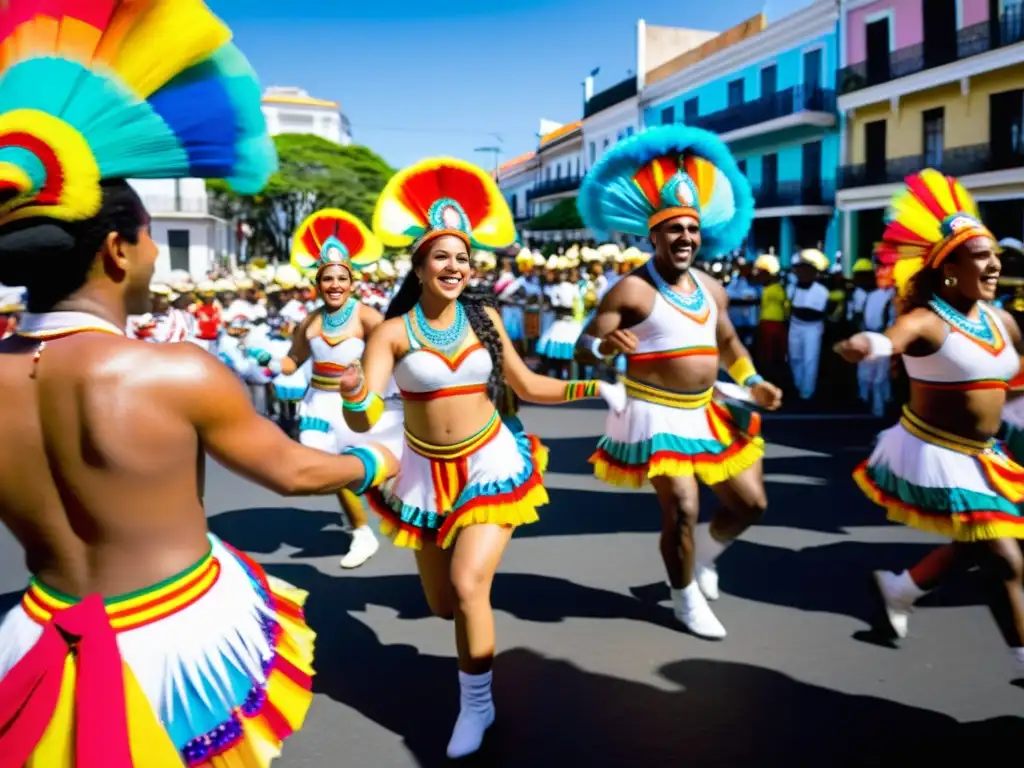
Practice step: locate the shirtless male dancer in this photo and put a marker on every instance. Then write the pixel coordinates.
(670, 321)
(142, 640)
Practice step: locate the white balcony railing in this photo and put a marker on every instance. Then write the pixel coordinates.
(156, 204)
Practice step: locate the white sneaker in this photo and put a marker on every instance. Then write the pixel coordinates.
(692, 610)
(898, 603)
(364, 546)
(706, 577)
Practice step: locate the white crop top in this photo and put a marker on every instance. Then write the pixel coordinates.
(973, 355)
(679, 325)
(426, 372)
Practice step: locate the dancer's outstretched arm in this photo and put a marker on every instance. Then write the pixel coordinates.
(534, 388)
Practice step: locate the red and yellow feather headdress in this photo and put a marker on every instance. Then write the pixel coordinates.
(928, 219)
(443, 196)
(333, 236)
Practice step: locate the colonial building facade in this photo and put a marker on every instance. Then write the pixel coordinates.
(769, 92)
(931, 84)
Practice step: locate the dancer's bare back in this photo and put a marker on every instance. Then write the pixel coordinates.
(101, 452)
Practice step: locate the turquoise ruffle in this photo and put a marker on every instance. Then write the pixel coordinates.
(313, 424)
(639, 454)
(938, 501)
(432, 521)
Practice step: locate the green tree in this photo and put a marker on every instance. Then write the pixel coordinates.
(314, 173)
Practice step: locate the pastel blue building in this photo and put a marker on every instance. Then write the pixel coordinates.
(771, 97)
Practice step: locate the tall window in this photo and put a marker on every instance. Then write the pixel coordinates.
(934, 128)
(178, 244)
(690, 110)
(629, 130)
(512, 204)
(593, 153)
(736, 93)
(668, 115)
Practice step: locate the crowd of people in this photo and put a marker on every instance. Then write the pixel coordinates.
(143, 639)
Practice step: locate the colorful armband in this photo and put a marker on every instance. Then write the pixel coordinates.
(743, 372)
(581, 390)
(363, 401)
(374, 466)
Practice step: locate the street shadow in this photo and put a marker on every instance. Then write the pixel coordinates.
(551, 712)
(831, 578)
(723, 713)
(380, 685)
(264, 530)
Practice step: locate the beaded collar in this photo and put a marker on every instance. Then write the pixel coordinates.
(694, 304)
(983, 331)
(333, 325)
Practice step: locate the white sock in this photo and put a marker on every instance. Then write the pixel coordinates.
(364, 531)
(476, 714)
(706, 547)
(1018, 655)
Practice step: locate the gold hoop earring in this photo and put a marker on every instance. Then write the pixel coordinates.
(950, 281)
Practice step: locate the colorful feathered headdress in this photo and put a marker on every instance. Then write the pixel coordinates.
(333, 236)
(443, 196)
(928, 219)
(114, 89)
(666, 172)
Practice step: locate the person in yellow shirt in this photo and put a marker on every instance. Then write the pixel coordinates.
(771, 339)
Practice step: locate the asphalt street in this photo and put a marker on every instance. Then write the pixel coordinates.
(592, 668)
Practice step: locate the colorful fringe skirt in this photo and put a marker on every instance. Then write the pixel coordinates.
(936, 481)
(559, 341)
(669, 433)
(492, 477)
(211, 667)
(322, 422)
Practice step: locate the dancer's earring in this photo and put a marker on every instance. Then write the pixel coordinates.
(950, 281)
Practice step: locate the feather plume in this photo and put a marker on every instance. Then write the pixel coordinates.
(99, 89)
(443, 194)
(662, 168)
(333, 236)
(925, 222)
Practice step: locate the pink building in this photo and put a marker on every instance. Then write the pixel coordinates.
(902, 24)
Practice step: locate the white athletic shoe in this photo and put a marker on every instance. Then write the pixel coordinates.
(364, 546)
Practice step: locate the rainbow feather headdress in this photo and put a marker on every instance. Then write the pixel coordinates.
(666, 172)
(443, 196)
(332, 236)
(115, 89)
(927, 220)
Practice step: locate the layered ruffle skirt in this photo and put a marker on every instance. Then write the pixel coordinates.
(211, 667)
(322, 424)
(936, 481)
(663, 433)
(492, 477)
(559, 341)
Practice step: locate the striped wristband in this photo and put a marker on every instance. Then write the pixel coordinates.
(580, 390)
(374, 466)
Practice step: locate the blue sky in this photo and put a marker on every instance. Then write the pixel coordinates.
(415, 82)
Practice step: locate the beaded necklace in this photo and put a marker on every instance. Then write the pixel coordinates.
(693, 305)
(981, 330)
(446, 341)
(339, 318)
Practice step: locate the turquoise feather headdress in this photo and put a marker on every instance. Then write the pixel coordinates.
(666, 172)
(106, 89)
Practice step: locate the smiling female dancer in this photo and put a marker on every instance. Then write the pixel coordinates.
(466, 480)
(940, 469)
(336, 243)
